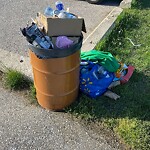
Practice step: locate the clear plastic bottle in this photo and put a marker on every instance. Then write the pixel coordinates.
(59, 6)
(100, 72)
(49, 11)
(60, 11)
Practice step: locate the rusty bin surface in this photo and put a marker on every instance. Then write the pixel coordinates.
(56, 80)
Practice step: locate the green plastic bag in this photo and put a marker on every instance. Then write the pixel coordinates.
(104, 58)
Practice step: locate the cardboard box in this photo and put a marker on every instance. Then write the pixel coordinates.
(62, 26)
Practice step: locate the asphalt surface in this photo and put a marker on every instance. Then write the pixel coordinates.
(28, 127)
(15, 14)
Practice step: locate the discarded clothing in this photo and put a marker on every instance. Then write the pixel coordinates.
(104, 58)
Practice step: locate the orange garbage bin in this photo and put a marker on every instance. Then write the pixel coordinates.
(56, 75)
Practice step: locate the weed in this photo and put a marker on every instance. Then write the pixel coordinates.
(32, 95)
(15, 80)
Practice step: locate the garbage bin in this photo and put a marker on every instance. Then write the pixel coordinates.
(56, 75)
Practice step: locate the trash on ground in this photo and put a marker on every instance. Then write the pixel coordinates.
(100, 72)
(136, 45)
(104, 58)
(94, 79)
(21, 59)
(114, 84)
(126, 77)
(111, 95)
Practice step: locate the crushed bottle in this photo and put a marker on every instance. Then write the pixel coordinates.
(35, 37)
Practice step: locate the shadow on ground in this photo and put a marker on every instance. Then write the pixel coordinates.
(111, 2)
(108, 2)
(134, 102)
(141, 4)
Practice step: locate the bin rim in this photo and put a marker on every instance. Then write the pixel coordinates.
(56, 52)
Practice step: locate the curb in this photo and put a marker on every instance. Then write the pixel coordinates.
(101, 30)
(104, 27)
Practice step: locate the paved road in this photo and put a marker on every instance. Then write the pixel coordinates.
(26, 127)
(16, 13)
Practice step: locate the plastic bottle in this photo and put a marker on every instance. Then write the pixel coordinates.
(59, 6)
(69, 15)
(60, 12)
(49, 11)
(100, 72)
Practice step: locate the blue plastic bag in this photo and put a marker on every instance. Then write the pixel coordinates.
(94, 79)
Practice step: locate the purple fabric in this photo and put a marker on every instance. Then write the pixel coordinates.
(63, 42)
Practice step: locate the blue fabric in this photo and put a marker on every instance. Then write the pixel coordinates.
(93, 83)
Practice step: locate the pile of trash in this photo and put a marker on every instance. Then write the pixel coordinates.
(100, 72)
(35, 33)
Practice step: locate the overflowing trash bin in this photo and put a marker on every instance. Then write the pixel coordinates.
(56, 75)
(54, 41)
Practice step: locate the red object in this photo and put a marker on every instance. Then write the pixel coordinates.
(126, 78)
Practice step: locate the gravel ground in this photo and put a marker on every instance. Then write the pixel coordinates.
(24, 126)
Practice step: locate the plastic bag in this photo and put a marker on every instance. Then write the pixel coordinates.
(94, 82)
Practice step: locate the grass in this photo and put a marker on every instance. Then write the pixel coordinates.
(32, 95)
(15, 80)
(128, 117)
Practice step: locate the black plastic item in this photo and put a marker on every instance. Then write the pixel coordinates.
(56, 52)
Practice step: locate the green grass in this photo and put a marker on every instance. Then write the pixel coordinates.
(141, 4)
(15, 80)
(128, 117)
(32, 95)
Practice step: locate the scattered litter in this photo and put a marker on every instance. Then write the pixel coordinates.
(111, 95)
(133, 43)
(104, 58)
(114, 84)
(21, 59)
(126, 78)
(95, 77)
